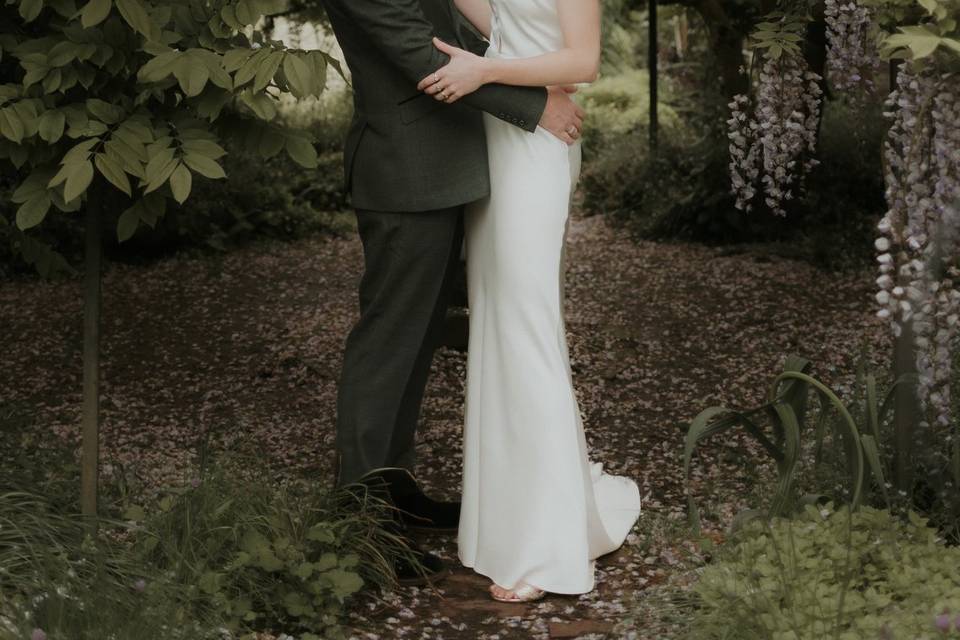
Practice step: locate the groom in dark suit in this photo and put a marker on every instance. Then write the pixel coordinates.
(411, 163)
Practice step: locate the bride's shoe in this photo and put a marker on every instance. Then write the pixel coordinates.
(524, 593)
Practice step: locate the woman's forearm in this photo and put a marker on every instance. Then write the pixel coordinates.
(566, 66)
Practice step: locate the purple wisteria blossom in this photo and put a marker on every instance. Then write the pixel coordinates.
(773, 138)
(853, 60)
(919, 249)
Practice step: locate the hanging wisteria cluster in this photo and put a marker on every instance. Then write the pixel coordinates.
(919, 246)
(853, 59)
(773, 136)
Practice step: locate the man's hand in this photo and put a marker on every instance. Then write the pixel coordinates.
(563, 117)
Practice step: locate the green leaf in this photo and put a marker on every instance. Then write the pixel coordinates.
(78, 179)
(207, 148)
(302, 152)
(51, 82)
(159, 67)
(918, 39)
(271, 143)
(344, 583)
(62, 53)
(10, 125)
(192, 75)
(51, 125)
(246, 12)
(298, 75)
(248, 71)
(33, 211)
(33, 185)
(235, 58)
(135, 512)
(951, 43)
(260, 103)
(126, 227)
(318, 62)
(207, 167)
(129, 159)
(160, 176)
(112, 172)
(30, 9)
(158, 161)
(137, 17)
(104, 111)
(267, 70)
(80, 151)
(95, 12)
(180, 182)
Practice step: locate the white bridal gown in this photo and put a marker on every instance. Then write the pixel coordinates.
(535, 508)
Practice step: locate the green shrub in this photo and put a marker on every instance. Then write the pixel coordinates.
(620, 104)
(680, 191)
(272, 198)
(258, 556)
(56, 577)
(233, 551)
(829, 574)
(683, 190)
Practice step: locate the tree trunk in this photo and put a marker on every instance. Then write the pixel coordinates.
(727, 45)
(91, 359)
(905, 410)
(653, 68)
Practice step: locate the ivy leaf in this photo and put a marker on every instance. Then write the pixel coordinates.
(302, 152)
(95, 12)
(180, 181)
(78, 179)
(33, 211)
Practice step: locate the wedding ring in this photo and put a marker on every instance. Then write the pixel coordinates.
(443, 95)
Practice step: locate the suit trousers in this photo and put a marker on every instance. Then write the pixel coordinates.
(410, 268)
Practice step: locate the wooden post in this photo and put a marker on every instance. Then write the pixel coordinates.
(90, 453)
(652, 60)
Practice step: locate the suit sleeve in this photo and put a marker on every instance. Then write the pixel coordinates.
(403, 34)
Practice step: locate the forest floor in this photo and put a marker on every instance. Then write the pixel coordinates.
(243, 350)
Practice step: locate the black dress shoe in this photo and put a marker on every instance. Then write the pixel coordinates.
(432, 569)
(416, 510)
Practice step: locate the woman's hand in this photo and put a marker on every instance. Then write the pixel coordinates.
(464, 74)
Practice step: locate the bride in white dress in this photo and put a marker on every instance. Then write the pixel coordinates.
(536, 512)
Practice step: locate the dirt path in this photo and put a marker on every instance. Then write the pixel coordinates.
(245, 349)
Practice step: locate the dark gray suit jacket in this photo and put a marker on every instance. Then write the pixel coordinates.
(405, 150)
